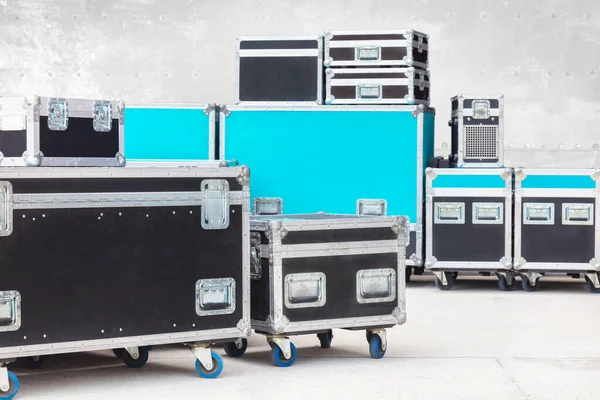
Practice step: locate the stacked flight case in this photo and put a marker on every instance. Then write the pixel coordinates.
(119, 258)
(469, 203)
(305, 160)
(377, 67)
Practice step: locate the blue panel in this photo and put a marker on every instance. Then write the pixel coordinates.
(558, 182)
(166, 134)
(465, 181)
(326, 160)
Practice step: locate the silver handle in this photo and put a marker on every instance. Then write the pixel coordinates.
(538, 213)
(268, 206)
(578, 214)
(215, 296)
(449, 213)
(371, 207)
(10, 311)
(368, 53)
(305, 290)
(375, 285)
(368, 91)
(488, 213)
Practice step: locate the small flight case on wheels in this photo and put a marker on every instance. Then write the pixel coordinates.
(123, 258)
(313, 273)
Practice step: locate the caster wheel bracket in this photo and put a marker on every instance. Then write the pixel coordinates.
(442, 277)
(284, 345)
(533, 277)
(594, 279)
(204, 355)
(382, 333)
(134, 352)
(239, 344)
(4, 382)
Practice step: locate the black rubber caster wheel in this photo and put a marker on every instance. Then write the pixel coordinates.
(408, 273)
(590, 285)
(527, 286)
(503, 283)
(118, 352)
(376, 347)
(34, 362)
(140, 361)
(233, 350)
(449, 278)
(325, 338)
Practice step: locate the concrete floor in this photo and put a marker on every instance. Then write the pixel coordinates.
(474, 342)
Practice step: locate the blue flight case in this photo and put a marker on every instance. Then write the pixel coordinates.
(327, 158)
(169, 132)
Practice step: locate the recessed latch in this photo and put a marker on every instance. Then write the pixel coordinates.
(102, 112)
(58, 114)
(215, 204)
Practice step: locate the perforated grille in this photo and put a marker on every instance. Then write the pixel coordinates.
(481, 142)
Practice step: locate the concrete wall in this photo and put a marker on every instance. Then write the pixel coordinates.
(543, 55)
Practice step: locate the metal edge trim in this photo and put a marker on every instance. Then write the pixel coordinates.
(116, 342)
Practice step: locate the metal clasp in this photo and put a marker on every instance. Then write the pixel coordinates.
(102, 112)
(58, 114)
(255, 256)
(215, 204)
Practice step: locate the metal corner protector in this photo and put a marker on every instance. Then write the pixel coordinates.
(244, 176)
(399, 315)
(275, 229)
(277, 327)
(430, 262)
(244, 327)
(419, 109)
(430, 173)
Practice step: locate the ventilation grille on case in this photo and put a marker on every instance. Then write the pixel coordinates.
(481, 142)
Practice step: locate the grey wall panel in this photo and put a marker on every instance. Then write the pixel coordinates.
(543, 55)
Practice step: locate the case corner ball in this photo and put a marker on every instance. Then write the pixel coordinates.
(430, 173)
(244, 177)
(595, 263)
(327, 63)
(399, 315)
(33, 160)
(210, 108)
(430, 262)
(244, 328)
(120, 160)
(32, 100)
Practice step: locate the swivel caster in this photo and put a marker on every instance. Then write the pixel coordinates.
(283, 352)
(506, 281)
(445, 280)
(34, 362)
(377, 343)
(593, 282)
(237, 348)
(134, 357)
(527, 286)
(209, 365)
(9, 384)
(407, 274)
(325, 338)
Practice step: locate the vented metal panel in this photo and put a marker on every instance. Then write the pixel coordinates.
(481, 142)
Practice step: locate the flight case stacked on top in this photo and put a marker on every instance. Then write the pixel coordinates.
(98, 255)
(332, 162)
(469, 206)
